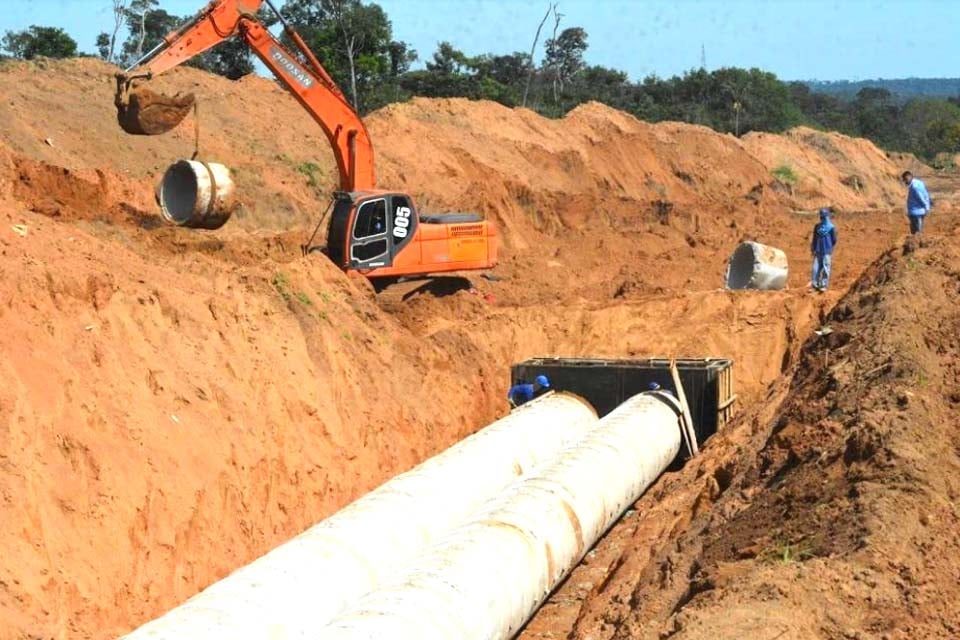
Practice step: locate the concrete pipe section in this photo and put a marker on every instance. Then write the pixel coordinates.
(484, 580)
(757, 266)
(197, 194)
(295, 589)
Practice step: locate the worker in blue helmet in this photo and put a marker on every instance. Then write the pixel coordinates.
(655, 386)
(525, 392)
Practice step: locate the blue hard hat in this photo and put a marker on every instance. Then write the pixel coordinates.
(653, 386)
(543, 381)
(824, 213)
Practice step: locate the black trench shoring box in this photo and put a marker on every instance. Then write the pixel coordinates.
(605, 384)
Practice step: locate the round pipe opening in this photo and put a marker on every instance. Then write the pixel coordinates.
(741, 268)
(179, 191)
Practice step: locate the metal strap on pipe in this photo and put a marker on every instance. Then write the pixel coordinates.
(298, 587)
(484, 580)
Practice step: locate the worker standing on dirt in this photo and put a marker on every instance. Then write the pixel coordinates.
(918, 201)
(821, 248)
(525, 392)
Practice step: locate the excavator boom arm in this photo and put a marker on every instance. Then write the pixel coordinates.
(312, 86)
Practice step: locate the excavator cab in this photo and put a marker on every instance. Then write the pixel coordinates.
(380, 234)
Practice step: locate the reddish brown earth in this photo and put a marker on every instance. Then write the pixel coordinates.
(175, 403)
(830, 510)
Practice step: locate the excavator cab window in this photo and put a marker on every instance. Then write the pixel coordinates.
(371, 219)
(369, 245)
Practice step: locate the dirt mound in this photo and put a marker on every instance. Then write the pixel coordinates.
(163, 418)
(62, 113)
(861, 469)
(596, 167)
(817, 168)
(631, 192)
(62, 193)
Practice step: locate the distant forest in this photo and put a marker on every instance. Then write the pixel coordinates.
(902, 88)
(354, 40)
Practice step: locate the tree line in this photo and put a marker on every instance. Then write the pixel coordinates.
(903, 88)
(354, 40)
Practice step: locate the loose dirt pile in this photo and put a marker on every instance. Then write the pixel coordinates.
(175, 403)
(636, 192)
(631, 192)
(818, 169)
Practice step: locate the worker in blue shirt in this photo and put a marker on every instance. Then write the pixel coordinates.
(525, 392)
(918, 202)
(821, 248)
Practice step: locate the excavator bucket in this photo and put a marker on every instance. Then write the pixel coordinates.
(143, 112)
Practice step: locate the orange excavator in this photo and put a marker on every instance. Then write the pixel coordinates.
(373, 231)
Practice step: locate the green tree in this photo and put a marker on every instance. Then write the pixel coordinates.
(730, 99)
(929, 126)
(876, 116)
(354, 42)
(447, 60)
(147, 27)
(452, 73)
(107, 42)
(764, 101)
(501, 78)
(608, 86)
(103, 45)
(231, 59)
(821, 109)
(564, 57)
(449, 74)
(51, 42)
(143, 22)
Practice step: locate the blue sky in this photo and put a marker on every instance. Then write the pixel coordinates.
(797, 40)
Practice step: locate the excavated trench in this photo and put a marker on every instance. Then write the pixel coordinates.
(441, 334)
(764, 361)
(205, 397)
(802, 476)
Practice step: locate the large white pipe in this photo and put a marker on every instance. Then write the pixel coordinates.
(484, 580)
(293, 590)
